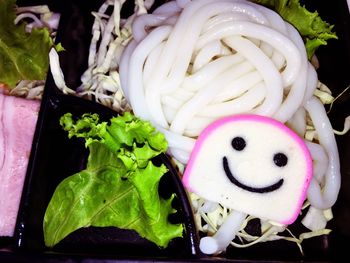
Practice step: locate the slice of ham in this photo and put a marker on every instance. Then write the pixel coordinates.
(17, 125)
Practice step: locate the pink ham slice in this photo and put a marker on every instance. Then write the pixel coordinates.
(17, 124)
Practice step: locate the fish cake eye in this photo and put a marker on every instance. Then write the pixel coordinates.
(238, 143)
(280, 159)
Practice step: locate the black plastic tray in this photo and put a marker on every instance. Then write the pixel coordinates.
(50, 163)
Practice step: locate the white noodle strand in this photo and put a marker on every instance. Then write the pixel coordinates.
(324, 197)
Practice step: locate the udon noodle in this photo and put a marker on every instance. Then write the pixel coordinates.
(191, 62)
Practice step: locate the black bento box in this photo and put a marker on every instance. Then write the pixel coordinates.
(47, 167)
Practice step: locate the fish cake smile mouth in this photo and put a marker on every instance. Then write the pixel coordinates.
(265, 189)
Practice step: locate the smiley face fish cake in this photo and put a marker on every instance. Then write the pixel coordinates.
(252, 164)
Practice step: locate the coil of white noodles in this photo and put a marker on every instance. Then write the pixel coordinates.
(191, 62)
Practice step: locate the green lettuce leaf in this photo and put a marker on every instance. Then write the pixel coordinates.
(119, 186)
(23, 56)
(310, 25)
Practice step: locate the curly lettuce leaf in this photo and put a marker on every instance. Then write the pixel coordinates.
(23, 56)
(119, 186)
(310, 25)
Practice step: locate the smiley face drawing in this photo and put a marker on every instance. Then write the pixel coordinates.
(252, 164)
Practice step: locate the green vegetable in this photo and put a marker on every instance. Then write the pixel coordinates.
(23, 56)
(314, 30)
(119, 186)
